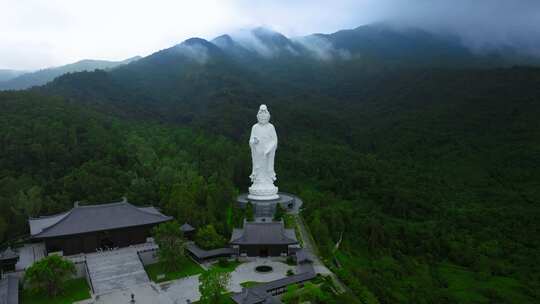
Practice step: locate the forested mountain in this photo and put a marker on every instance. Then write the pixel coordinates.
(189, 76)
(9, 74)
(24, 80)
(426, 169)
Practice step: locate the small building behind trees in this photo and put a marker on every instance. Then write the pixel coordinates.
(8, 260)
(85, 229)
(188, 231)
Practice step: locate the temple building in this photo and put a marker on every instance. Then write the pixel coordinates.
(263, 239)
(86, 229)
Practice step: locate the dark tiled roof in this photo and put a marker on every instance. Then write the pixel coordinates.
(83, 219)
(187, 228)
(263, 233)
(260, 294)
(9, 254)
(205, 254)
(251, 296)
(294, 279)
(254, 296)
(9, 290)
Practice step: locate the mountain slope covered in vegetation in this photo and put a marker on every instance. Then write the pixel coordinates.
(427, 173)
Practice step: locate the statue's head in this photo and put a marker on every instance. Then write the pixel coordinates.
(263, 116)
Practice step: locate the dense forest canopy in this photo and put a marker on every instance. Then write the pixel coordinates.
(428, 174)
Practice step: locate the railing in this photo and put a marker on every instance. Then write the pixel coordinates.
(88, 278)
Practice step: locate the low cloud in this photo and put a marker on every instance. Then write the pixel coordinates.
(322, 48)
(195, 52)
(248, 40)
(41, 33)
(482, 25)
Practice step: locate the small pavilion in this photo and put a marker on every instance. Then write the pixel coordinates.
(8, 259)
(188, 231)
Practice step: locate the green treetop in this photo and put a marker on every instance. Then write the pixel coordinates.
(49, 274)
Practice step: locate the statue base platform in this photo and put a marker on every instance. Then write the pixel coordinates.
(263, 197)
(263, 192)
(266, 208)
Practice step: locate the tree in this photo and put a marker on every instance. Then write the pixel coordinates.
(171, 244)
(3, 228)
(291, 295)
(30, 202)
(311, 293)
(279, 213)
(208, 238)
(49, 274)
(212, 287)
(249, 212)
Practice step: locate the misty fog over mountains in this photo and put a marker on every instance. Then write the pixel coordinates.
(378, 43)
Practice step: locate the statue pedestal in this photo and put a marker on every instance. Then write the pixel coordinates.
(263, 192)
(266, 208)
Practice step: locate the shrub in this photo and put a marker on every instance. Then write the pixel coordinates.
(223, 262)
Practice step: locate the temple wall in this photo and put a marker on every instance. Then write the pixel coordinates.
(90, 242)
(262, 250)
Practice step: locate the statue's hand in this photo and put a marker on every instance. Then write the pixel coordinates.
(255, 140)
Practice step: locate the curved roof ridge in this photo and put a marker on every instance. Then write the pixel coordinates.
(62, 216)
(101, 205)
(42, 217)
(65, 216)
(144, 211)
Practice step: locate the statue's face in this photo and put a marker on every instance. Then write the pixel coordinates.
(263, 116)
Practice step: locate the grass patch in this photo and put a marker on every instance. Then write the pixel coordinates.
(249, 284)
(231, 266)
(290, 222)
(188, 268)
(75, 290)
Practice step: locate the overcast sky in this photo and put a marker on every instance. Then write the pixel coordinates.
(41, 33)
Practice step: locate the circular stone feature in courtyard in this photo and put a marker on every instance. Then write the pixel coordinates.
(263, 268)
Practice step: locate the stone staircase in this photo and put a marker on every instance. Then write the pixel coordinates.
(264, 210)
(114, 270)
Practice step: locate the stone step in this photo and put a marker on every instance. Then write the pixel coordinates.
(115, 270)
(264, 210)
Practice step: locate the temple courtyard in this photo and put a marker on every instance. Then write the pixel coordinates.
(184, 289)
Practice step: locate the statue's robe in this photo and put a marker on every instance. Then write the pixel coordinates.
(263, 153)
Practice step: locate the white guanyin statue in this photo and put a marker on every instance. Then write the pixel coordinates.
(263, 142)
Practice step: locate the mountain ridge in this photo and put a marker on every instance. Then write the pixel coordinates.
(43, 76)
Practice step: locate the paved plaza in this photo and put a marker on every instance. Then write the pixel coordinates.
(175, 292)
(246, 273)
(182, 290)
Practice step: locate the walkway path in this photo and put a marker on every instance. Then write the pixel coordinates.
(310, 246)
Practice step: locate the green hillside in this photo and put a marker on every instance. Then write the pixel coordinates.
(430, 175)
